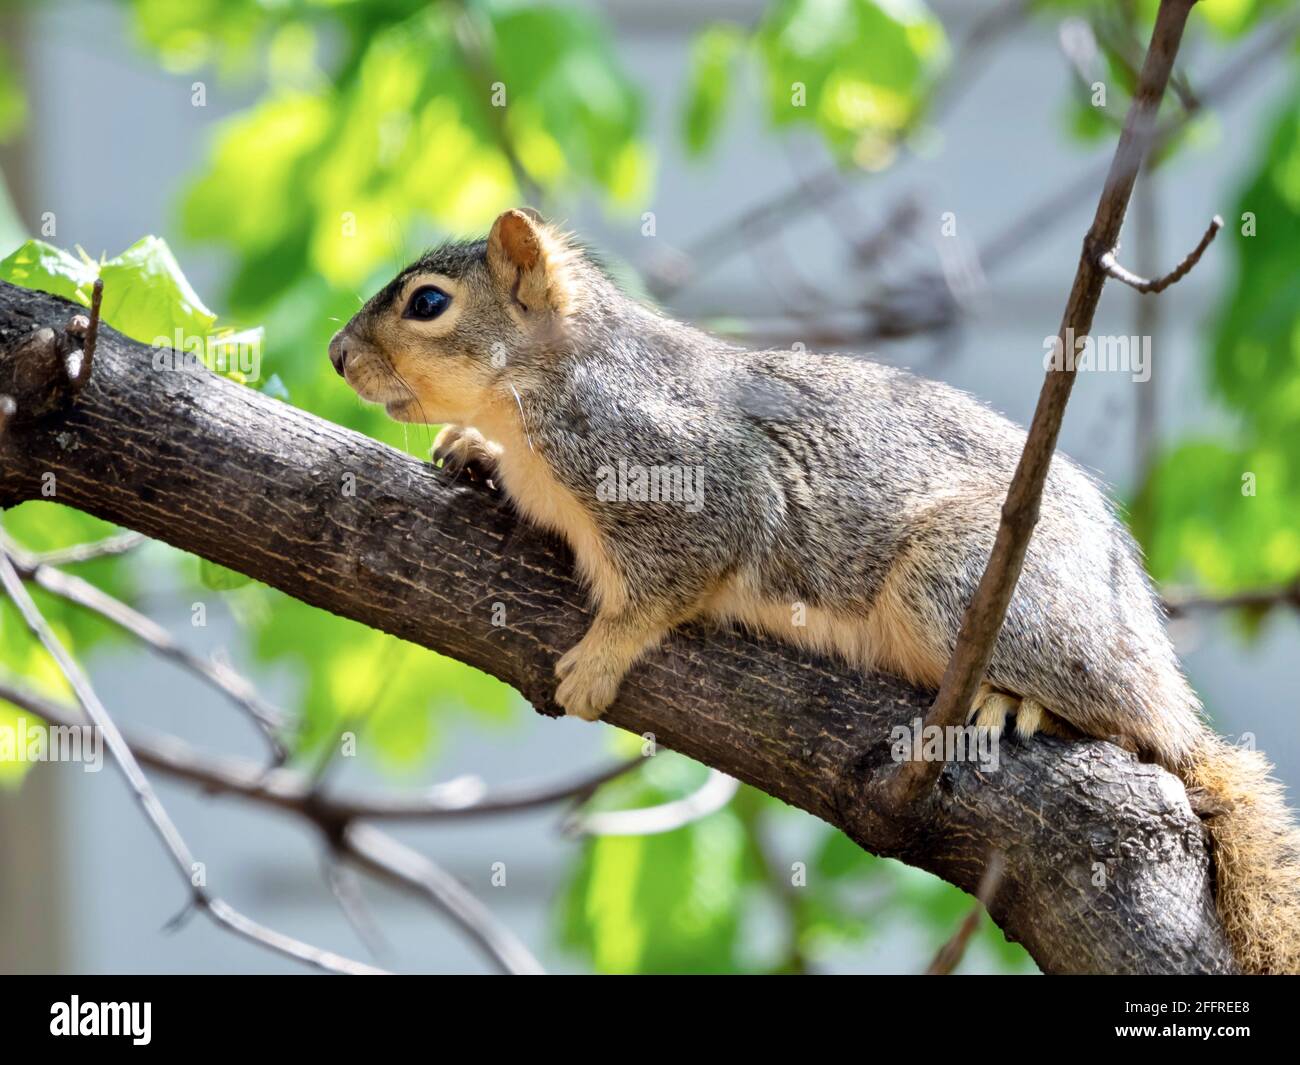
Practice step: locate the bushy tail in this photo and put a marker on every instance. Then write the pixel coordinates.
(1256, 855)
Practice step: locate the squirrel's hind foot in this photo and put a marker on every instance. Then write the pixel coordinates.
(991, 709)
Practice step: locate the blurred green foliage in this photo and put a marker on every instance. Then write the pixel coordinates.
(1234, 523)
(375, 133)
(859, 71)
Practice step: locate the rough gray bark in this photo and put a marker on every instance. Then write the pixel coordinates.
(1107, 869)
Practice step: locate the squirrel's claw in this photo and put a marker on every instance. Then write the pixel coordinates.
(991, 709)
(463, 450)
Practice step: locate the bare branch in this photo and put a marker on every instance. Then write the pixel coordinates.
(923, 303)
(1182, 604)
(384, 856)
(337, 819)
(293, 792)
(815, 191)
(269, 719)
(346, 889)
(119, 544)
(952, 952)
(713, 795)
(147, 798)
(1107, 262)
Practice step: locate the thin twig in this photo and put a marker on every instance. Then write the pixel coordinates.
(1178, 605)
(92, 331)
(950, 954)
(166, 830)
(291, 792)
(1128, 52)
(385, 856)
(87, 330)
(118, 544)
(1108, 263)
(714, 794)
(986, 611)
(346, 889)
(269, 719)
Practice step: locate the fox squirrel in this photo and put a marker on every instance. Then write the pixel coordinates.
(830, 501)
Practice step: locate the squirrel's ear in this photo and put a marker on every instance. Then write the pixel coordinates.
(527, 259)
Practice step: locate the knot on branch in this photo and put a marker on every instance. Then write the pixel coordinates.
(44, 370)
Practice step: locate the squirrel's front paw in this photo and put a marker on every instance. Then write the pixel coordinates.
(461, 449)
(587, 683)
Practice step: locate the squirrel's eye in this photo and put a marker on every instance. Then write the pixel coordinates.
(427, 303)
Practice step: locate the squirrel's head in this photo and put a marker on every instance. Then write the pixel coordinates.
(436, 343)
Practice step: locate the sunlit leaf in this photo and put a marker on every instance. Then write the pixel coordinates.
(666, 903)
(857, 69)
(713, 56)
(38, 265)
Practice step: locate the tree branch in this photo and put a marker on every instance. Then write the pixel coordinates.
(986, 611)
(1106, 865)
(164, 827)
(1182, 604)
(339, 822)
(269, 720)
(1110, 265)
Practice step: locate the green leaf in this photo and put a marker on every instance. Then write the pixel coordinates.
(667, 903)
(563, 80)
(713, 56)
(38, 265)
(1233, 524)
(1232, 18)
(356, 172)
(859, 70)
(219, 578)
(147, 297)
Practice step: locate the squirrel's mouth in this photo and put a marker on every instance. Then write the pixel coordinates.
(404, 410)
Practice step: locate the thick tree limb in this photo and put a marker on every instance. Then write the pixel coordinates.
(1106, 866)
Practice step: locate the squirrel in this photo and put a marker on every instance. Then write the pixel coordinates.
(826, 500)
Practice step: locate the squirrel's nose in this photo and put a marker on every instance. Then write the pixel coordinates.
(339, 351)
